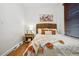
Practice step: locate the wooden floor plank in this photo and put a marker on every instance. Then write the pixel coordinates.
(19, 51)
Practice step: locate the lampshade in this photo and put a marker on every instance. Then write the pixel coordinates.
(31, 27)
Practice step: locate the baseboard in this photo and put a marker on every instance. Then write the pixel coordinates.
(13, 48)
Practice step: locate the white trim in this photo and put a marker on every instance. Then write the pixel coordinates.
(50, 22)
(27, 49)
(8, 51)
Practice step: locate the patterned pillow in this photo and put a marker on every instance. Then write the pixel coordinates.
(49, 45)
(61, 41)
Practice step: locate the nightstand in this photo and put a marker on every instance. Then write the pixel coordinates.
(29, 37)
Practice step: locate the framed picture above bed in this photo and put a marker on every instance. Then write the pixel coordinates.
(46, 17)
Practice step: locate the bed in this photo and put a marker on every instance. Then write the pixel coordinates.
(47, 32)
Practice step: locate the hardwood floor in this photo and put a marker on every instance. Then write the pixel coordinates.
(19, 51)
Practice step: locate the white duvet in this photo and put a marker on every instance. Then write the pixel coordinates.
(71, 46)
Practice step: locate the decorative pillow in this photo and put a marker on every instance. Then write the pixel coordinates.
(39, 31)
(61, 41)
(49, 45)
(48, 32)
(53, 32)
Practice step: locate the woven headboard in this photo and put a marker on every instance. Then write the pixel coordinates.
(45, 25)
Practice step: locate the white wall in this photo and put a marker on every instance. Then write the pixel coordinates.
(11, 26)
(33, 11)
(59, 16)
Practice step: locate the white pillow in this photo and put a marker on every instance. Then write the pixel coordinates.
(39, 31)
(48, 32)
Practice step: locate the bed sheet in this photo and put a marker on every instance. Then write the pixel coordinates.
(70, 48)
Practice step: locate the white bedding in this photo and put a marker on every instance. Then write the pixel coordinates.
(68, 49)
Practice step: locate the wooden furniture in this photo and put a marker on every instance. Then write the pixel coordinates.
(71, 16)
(46, 25)
(29, 37)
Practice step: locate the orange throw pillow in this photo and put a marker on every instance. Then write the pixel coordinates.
(61, 41)
(49, 45)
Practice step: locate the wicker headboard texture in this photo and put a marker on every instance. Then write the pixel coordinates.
(45, 25)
